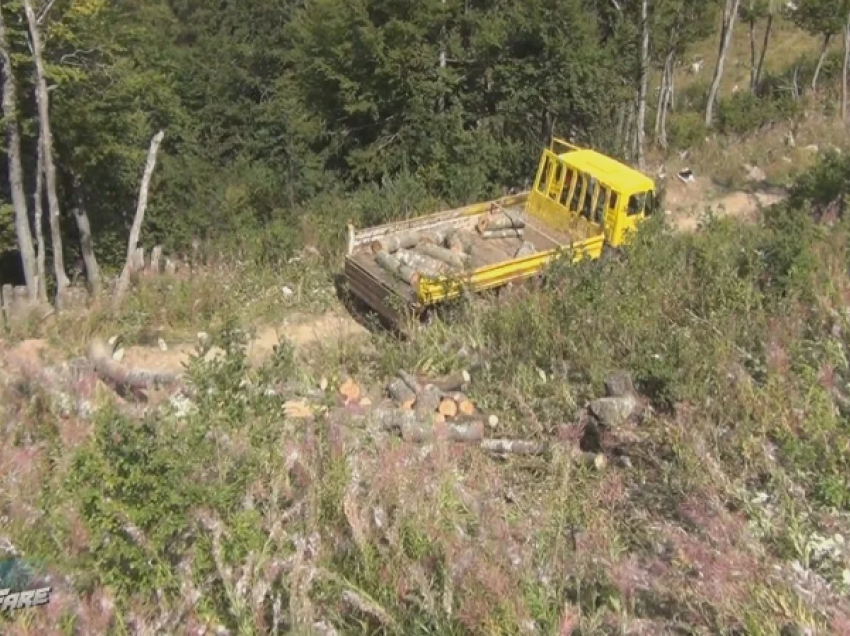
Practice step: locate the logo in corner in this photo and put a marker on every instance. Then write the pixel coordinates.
(20, 585)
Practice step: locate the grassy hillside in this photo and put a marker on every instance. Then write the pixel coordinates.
(723, 507)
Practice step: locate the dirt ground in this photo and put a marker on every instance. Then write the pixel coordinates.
(686, 202)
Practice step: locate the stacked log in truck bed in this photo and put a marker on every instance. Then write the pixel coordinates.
(493, 237)
(384, 265)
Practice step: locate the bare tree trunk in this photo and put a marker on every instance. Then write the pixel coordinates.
(86, 242)
(124, 280)
(38, 208)
(662, 95)
(760, 66)
(730, 11)
(16, 173)
(644, 81)
(844, 70)
(824, 47)
(442, 101)
(47, 148)
(627, 130)
(667, 104)
(752, 24)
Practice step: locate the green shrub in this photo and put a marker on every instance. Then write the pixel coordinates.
(686, 130)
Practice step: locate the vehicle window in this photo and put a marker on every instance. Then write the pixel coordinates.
(568, 182)
(636, 204)
(580, 193)
(650, 203)
(543, 186)
(557, 179)
(599, 214)
(613, 200)
(587, 204)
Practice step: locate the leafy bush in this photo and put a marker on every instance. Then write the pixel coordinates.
(686, 130)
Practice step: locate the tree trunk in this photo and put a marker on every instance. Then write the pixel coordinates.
(644, 81)
(821, 59)
(38, 208)
(16, 173)
(136, 229)
(844, 70)
(662, 94)
(729, 13)
(752, 25)
(667, 104)
(441, 103)
(47, 148)
(760, 66)
(86, 242)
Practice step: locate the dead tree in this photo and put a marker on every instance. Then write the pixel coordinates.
(730, 11)
(47, 148)
(124, 280)
(845, 68)
(38, 209)
(644, 81)
(86, 242)
(16, 173)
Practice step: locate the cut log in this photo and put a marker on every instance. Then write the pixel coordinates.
(433, 237)
(500, 221)
(497, 234)
(396, 268)
(593, 460)
(467, 432)
(448, 408)
(454, 382)
(428, 400)
(513, 447)
(526, 249)
(417, 429)
(459, 241)
(396, 242)
(447, 256)
(402, 394)
(117, 375)
(466, 407)
(421, 263)
(297, 409)
(350, 390)
(410, 380)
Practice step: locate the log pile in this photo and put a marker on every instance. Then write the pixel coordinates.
(409, 256)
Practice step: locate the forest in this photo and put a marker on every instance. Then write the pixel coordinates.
(275, 115)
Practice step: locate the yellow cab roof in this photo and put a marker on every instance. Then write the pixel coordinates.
(612, 173)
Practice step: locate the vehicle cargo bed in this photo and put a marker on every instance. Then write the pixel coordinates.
(377, 286)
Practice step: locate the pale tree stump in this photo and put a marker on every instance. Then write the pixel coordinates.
(156, 257)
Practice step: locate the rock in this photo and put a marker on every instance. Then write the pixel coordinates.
(755, 174)
(118, 355)
(619, 384)
(813, 148)
(162, 345)
(287, 291)
(493, 421)
(613, 411)
(203, 335)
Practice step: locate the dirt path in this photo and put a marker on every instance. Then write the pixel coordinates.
(686, 203)
(303, 332)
